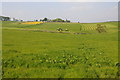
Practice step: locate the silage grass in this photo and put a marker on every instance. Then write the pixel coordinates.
(29, 54)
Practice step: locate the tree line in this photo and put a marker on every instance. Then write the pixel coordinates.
(53, 20)
(3, 18)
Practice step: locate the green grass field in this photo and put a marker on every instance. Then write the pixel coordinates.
(35, 54)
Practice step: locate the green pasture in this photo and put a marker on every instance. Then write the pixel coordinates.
(35, 54)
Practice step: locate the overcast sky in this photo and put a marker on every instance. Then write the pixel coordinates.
(74, 11)
(60, 0)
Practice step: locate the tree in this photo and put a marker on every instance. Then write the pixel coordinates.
(2, 18)
(55, 20)
(45, 19)
(21, 20)
(36, 20)
(40, 19)
(15, 19)
(6, 18)
(67, 20)
(58, 20)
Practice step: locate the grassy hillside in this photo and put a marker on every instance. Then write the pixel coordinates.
(33, 54)
(72, 27)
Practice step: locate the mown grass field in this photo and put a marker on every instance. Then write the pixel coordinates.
(36, 54)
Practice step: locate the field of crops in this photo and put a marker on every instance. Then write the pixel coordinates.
(31, 22)
(43, 54)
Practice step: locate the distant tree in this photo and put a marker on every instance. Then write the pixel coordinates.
(15, 19)
(58, 20)
(21, 20)
(67, 20)
(2, 18)
(6, 18)
(45, 19)
(36, 20)
(40, 19)
(55, 20)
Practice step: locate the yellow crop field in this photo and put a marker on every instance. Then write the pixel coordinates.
(32, 23)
